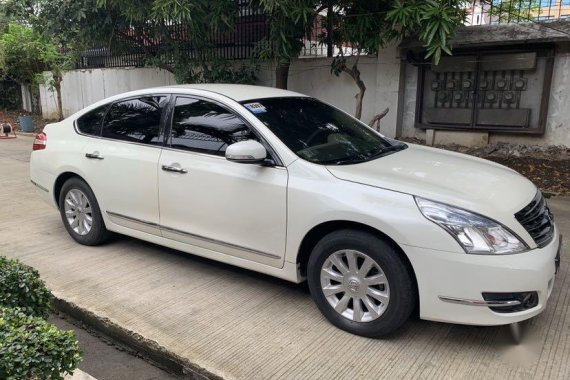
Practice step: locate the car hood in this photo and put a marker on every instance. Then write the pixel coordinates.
(457, 179)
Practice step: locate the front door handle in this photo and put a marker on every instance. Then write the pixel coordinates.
(173, 168)
(95, 155)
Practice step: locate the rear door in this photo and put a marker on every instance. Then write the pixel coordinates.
(207, 201)
(122, 165)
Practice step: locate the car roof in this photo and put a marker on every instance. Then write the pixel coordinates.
(237, 92)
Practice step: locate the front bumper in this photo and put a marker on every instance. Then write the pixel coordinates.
(451, 285)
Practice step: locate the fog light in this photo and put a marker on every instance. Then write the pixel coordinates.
(527, 300)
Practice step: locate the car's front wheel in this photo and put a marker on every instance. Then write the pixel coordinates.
(360, 283)
(80, 213)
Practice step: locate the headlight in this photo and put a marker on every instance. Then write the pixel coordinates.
(475, 233)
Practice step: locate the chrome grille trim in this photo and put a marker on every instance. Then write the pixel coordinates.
(537, 220)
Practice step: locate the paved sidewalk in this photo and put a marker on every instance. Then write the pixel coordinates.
(242, 325)
(79, 375)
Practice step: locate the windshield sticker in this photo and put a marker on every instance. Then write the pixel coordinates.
(255, 107)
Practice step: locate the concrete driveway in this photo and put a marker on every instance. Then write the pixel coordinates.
(242, 325)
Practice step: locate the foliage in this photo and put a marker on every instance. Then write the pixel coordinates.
(23, 288)
(433, 22)
(22, 53)
(288, 21)
(32, 348)
(215, 70)
(123, 26)
(363, 27)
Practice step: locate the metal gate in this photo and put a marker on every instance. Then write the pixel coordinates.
(504, 91)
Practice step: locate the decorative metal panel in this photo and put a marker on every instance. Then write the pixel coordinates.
(493, 91)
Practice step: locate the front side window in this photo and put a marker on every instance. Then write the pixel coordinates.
(91, 123)
(205, 127)
(135, 120)
(320, 133)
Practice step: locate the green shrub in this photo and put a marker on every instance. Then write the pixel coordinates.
(22, 287)
(32, 348)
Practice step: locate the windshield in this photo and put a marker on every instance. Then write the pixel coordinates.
(320, 133)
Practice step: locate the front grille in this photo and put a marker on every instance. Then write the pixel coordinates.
(536, 218)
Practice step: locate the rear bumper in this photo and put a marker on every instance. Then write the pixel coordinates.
(451, 285)
(42, 180)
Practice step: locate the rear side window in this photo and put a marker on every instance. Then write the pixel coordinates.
(91, 122)
(205, 127)
(135, 120)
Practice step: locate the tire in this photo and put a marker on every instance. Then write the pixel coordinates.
(78, 203)
(380, 300)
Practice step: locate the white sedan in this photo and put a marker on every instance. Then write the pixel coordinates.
(284, 184)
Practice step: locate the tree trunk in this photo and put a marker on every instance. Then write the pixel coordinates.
(57, 78)
(330, 47)
(355, 75)
(375, 121)
(359, 97)
(282, 75)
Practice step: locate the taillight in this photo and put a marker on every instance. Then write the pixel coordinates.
(40, 142)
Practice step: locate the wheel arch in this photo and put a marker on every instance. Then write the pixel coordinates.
(60, 180)
(321, 230)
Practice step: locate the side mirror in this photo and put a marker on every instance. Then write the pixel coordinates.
(246, 152)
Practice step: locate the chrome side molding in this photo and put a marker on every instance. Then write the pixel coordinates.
(463, 301)
(192, 236)
(39, 186)
(214, 241)
(131, 219)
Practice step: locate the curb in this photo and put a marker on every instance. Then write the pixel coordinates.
(146, 348)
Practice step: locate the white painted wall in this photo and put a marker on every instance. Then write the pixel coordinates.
(81, 88)
(26, 98)
(312, 76)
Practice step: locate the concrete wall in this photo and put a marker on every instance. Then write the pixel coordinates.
(311, 76)
(81, 88)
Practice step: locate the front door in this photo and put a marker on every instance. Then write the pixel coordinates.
(206, 201)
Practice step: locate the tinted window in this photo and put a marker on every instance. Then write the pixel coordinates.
(136, 120)
(320, 133)
(205, 127)
(91, 122)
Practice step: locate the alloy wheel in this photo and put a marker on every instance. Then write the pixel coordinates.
(355, 285)
(78, 212)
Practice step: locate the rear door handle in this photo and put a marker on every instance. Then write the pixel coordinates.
(94, 155)
(174, 168)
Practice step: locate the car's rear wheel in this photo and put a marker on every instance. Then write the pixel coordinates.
(360, 283)
(80, 213)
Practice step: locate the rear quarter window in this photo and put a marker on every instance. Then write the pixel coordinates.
(91, 123)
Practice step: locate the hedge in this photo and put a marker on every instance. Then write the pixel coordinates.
(32, 348)
(22, 287)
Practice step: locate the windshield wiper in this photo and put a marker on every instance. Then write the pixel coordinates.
(380, 153)
(387, 150)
